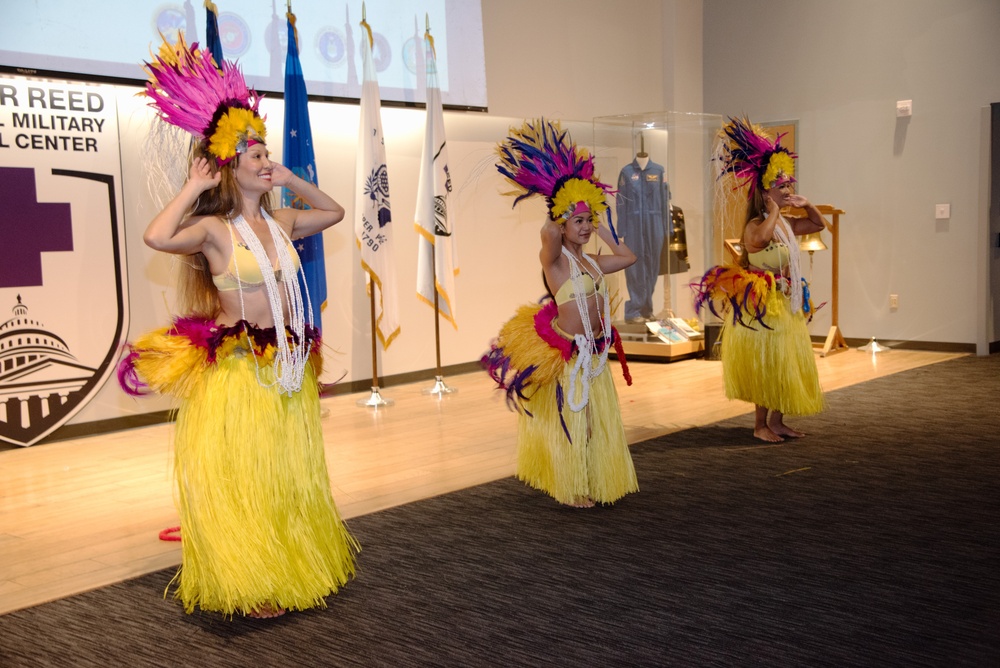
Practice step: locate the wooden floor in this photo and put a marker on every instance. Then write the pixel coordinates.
(80, 514)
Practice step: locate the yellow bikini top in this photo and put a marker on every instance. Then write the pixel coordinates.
(773, 258)
(250, 275)
(566, 294)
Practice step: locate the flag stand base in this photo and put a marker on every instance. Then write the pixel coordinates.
(440, 388)
(874, 347)
(375, 400)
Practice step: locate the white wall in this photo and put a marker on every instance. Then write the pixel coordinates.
(838, 68)
(573, 58)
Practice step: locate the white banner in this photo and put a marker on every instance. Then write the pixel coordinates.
(373, 227)
(63, 291)
(436, 261)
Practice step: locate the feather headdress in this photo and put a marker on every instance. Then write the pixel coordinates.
(539, 158)
(212, 102)
(753, 158)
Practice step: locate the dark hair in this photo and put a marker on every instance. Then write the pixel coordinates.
(545, 282)
(756, 208)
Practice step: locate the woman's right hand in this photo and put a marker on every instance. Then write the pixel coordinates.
(770, 206)
(201, 177)
(167, 231)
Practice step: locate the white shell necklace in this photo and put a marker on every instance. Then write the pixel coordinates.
(289, 364)
(584, 370)
(787, 237)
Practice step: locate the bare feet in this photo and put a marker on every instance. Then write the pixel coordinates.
(266, 611)
(783, 429)
(581, 502)
(766, 434)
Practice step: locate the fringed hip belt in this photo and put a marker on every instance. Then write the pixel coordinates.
(167, 360)
(741, 294)
(532, 351)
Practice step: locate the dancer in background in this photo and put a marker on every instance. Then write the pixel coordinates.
(551, 358)
(260, 531)
(767, 354)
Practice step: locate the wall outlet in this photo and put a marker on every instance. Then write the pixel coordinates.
(893, 301)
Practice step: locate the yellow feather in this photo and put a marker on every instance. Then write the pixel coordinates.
(520, 342)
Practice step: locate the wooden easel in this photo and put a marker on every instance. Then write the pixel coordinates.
(835, 342)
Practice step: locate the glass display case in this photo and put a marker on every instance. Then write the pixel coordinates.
(660, 163)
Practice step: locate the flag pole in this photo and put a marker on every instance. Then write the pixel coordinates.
(375, 399)
(440, 388)
(374, 211)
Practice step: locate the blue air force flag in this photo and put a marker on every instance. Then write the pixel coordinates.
(301, 159)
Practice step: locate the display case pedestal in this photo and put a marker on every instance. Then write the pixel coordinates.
(640, 345)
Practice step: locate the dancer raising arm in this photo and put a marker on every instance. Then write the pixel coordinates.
(260, 531)
(551, 358)
(767, 354)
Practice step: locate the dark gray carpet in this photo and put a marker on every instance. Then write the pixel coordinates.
(872, 542)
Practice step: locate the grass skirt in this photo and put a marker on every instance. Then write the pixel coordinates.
(593, 462)
(776, 367)
(258, 522)
(569, 455)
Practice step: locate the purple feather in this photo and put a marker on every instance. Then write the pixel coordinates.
(128, 378)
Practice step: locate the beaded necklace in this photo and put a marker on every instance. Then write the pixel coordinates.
(584, 370)
(785, 235)
(289, 363)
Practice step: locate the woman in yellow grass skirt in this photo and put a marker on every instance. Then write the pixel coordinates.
(551, 358)
(260, 531)
(767, 354)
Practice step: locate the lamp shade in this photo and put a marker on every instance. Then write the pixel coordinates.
(812, 242)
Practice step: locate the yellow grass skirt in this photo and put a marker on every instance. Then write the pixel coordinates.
(259, 526)
(590, 456)
(596, 463)
(773, 368)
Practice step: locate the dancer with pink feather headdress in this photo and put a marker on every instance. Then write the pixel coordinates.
(767, 354)
(260, 533)
(551, 358)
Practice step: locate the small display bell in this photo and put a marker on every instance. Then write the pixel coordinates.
(812, 242)
(678, 236)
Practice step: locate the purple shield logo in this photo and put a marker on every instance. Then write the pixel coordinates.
(62, 284)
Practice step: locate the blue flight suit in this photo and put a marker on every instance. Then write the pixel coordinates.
(642, 207)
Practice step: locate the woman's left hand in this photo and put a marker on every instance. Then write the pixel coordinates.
(797, 201)
(281, 175)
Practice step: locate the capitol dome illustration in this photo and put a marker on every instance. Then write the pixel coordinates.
(39, 377)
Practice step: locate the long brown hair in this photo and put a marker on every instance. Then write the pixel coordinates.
(197, 294)
(756, 208)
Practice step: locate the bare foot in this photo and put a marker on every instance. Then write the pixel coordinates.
(266, 611)
(581, 502)
(783, 429)
(765, 434)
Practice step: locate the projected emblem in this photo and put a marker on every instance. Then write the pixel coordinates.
(169, 22)
(331, 46)
(410, 47)
(234, 33)
(381, 51)
(62, 288)
(276, 37)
